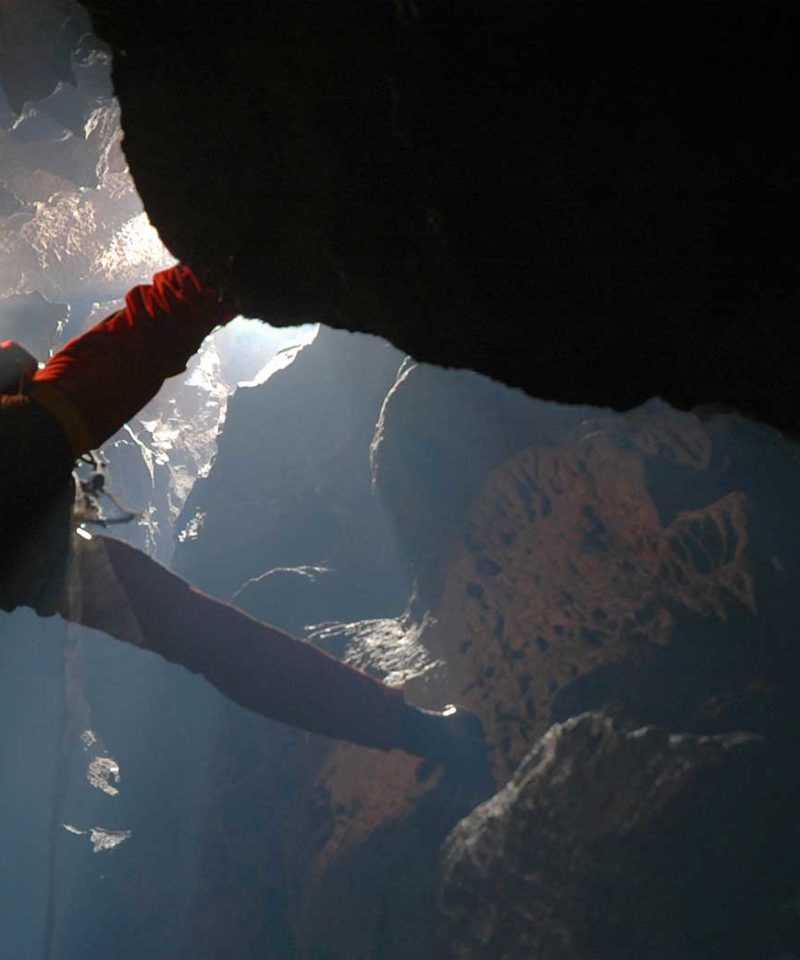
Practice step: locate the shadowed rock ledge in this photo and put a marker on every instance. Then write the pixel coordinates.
(614, 844)
(587, 201)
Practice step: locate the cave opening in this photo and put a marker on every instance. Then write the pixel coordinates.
(614, 595)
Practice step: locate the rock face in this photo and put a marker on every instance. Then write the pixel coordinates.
(465, 180)
(74, 238)
(602, 575)
(438, 437)
(518, 191)
(565, 561)
(36, 47)
(614, 563)
(640, 566)
(608, 843)
(94, 857)
(288, 507)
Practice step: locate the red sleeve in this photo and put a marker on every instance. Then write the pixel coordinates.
(98, 381)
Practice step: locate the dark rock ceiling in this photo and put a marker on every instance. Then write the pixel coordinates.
(594, 202)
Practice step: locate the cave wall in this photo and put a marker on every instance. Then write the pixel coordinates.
(641, 568)
(555, 560)
(286, 521)
(592, 202)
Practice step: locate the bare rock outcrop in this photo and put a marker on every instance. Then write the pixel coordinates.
(486, 187)
(72, 227)
(615, 844)
(438, 437)
(633, 564)
(640, 566)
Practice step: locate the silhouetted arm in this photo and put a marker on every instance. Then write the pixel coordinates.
(126, 594)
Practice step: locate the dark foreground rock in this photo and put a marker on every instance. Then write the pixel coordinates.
(614, 844)
(537, 191)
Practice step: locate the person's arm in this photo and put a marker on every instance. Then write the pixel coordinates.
(101, 379)
(123, 592)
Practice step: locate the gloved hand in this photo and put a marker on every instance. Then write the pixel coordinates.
(454, 739)
(16, 365)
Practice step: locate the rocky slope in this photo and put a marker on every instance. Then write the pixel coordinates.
(565, 561)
